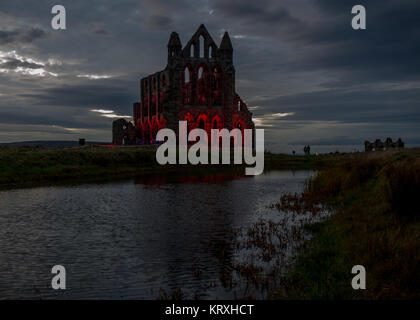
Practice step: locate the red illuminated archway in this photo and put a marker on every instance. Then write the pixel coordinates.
(146, 132)
(202, 122)
(202, 72)
(187, 80)
(190, 123)
(216, 122)
(162, 122)
(240, 124)
(155, 128)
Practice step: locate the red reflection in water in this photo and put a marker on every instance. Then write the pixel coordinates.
(157, 180)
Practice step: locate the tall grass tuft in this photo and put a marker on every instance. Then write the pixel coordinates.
(403, 189)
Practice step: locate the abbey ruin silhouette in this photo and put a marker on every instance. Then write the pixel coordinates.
(197, 86)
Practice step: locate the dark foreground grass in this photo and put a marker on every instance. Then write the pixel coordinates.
(29, 166)
(21, 166)
(377, 225)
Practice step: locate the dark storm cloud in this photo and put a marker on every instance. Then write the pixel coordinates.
(159, 22)
(340, 140)
(21, 36)
(387, 50)
(324, 40)
(84, 96)
(300, 58)
(48, 119)
(159, 15)
(357, 106)
(12, 63)
(256, 13)
(97, 28)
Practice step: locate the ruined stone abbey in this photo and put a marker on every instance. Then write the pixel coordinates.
(197, 86)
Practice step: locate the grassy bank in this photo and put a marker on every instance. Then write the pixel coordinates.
(311, 162)
(377, 225)
(23, 165)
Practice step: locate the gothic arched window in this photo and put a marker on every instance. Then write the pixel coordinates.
(187, 86)
(201, 46)
(192, 53)
(201, 92)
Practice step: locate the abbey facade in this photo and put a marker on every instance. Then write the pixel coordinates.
(197, 86)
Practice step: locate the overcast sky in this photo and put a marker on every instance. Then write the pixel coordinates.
(306, 75)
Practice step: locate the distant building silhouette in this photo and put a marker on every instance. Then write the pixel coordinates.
(378, 145)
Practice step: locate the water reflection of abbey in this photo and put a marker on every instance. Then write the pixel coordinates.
(197, 86)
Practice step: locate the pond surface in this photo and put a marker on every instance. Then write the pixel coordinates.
(131, 239)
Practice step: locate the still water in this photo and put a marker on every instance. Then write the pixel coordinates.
(131, 239)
